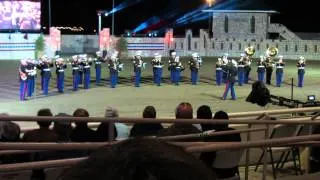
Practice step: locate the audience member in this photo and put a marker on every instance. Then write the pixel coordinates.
(183, 111)
(139, 159)
(146, 129)
(103, 129)
(9, 132)
(43, 134)
(63, 129)
(204, 112)
(82, 133)
(208, 157)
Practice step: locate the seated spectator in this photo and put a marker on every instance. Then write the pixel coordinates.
(43, 134)
(82, 133)
(183, 111)
(209, 157)
(103, 129)
(63, 129)
(9, 132)
(146, 129)
(139, 159)
(204, 112)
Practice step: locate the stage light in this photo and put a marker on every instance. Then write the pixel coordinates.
(155, 34)
(171, 39)
(150, 35)
(106, 14)
(128, 34)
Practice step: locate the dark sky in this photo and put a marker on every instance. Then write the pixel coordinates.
(296, 16)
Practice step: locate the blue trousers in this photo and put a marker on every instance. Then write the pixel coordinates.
(224, 77)
(158, 76)
(137, 78)
(177, 76)
(86, 79)
(46, 82)
(240, 76)
(300, 79)
(98, 75)
(229, 86)
(172, 75)
(219, 74)
(42, 81)
(113, 78)
(279, 76)
(261, 75)
(30, 86)
(23, 89)
(246, 76)
(194, 77)
(80, 77)
(155, 73)
(75, 81)
(60, 82)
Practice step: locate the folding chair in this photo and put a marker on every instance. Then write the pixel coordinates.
(226, 159)
(280, 131)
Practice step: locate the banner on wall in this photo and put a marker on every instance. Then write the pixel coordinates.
(55, 39)
(104, 39)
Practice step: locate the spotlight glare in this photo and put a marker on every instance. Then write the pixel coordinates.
(106, 14)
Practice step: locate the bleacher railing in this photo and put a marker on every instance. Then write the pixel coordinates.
(247, 118)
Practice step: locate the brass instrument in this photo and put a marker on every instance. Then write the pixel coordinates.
(272, 51)
(250, 51)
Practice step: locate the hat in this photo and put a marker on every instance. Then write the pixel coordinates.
(226, 54)
(242, 55)
(157, 55)
(111, 112)
(195, 54)
(301, 57)
(173, 53)
(59, 59)
(138, 53)
(280, 56)
(74, 56)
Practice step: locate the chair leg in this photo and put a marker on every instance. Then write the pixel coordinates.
(272, 165)
(297, 153)
(285, 159)
(294, 162)
(259, 162)
(280, 159)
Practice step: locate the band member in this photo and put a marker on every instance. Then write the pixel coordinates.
(115, 66)
(60, 67)
(157, 68)
(301, 66)
(44, 65)
(171, 66)
(31, 75)
(231, 71)
(86, 64)
(261, 70)
(98, 61)
(247, 68)
(178, 68)
(224, 65)
(241, 70)
(80, 65)
(269, 69)
(23, 79)
(138, 64)
(75, 72)
(194, 65)
(219, 71)
(279, 71)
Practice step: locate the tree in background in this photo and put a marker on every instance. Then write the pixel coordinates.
(40, 46)
(122, 46)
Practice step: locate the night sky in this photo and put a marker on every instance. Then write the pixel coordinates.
(296, 16)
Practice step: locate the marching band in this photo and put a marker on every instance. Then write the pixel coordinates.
(226, 70)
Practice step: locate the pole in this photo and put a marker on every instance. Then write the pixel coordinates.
(112, 32)
(99, 22)
(49, 14)
(291, 89)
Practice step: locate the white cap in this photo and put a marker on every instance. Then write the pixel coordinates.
(261, 57)
(138, 53)
(157, 55)
(44, 57)
(56, 57)
(301, 57)
(74, 56)
(219, 59)
(59, 59)
(226, 54)
(98, 53)
(23, 61)
(242, 55)
(280, 57)
(173, 53)
(195, 54)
